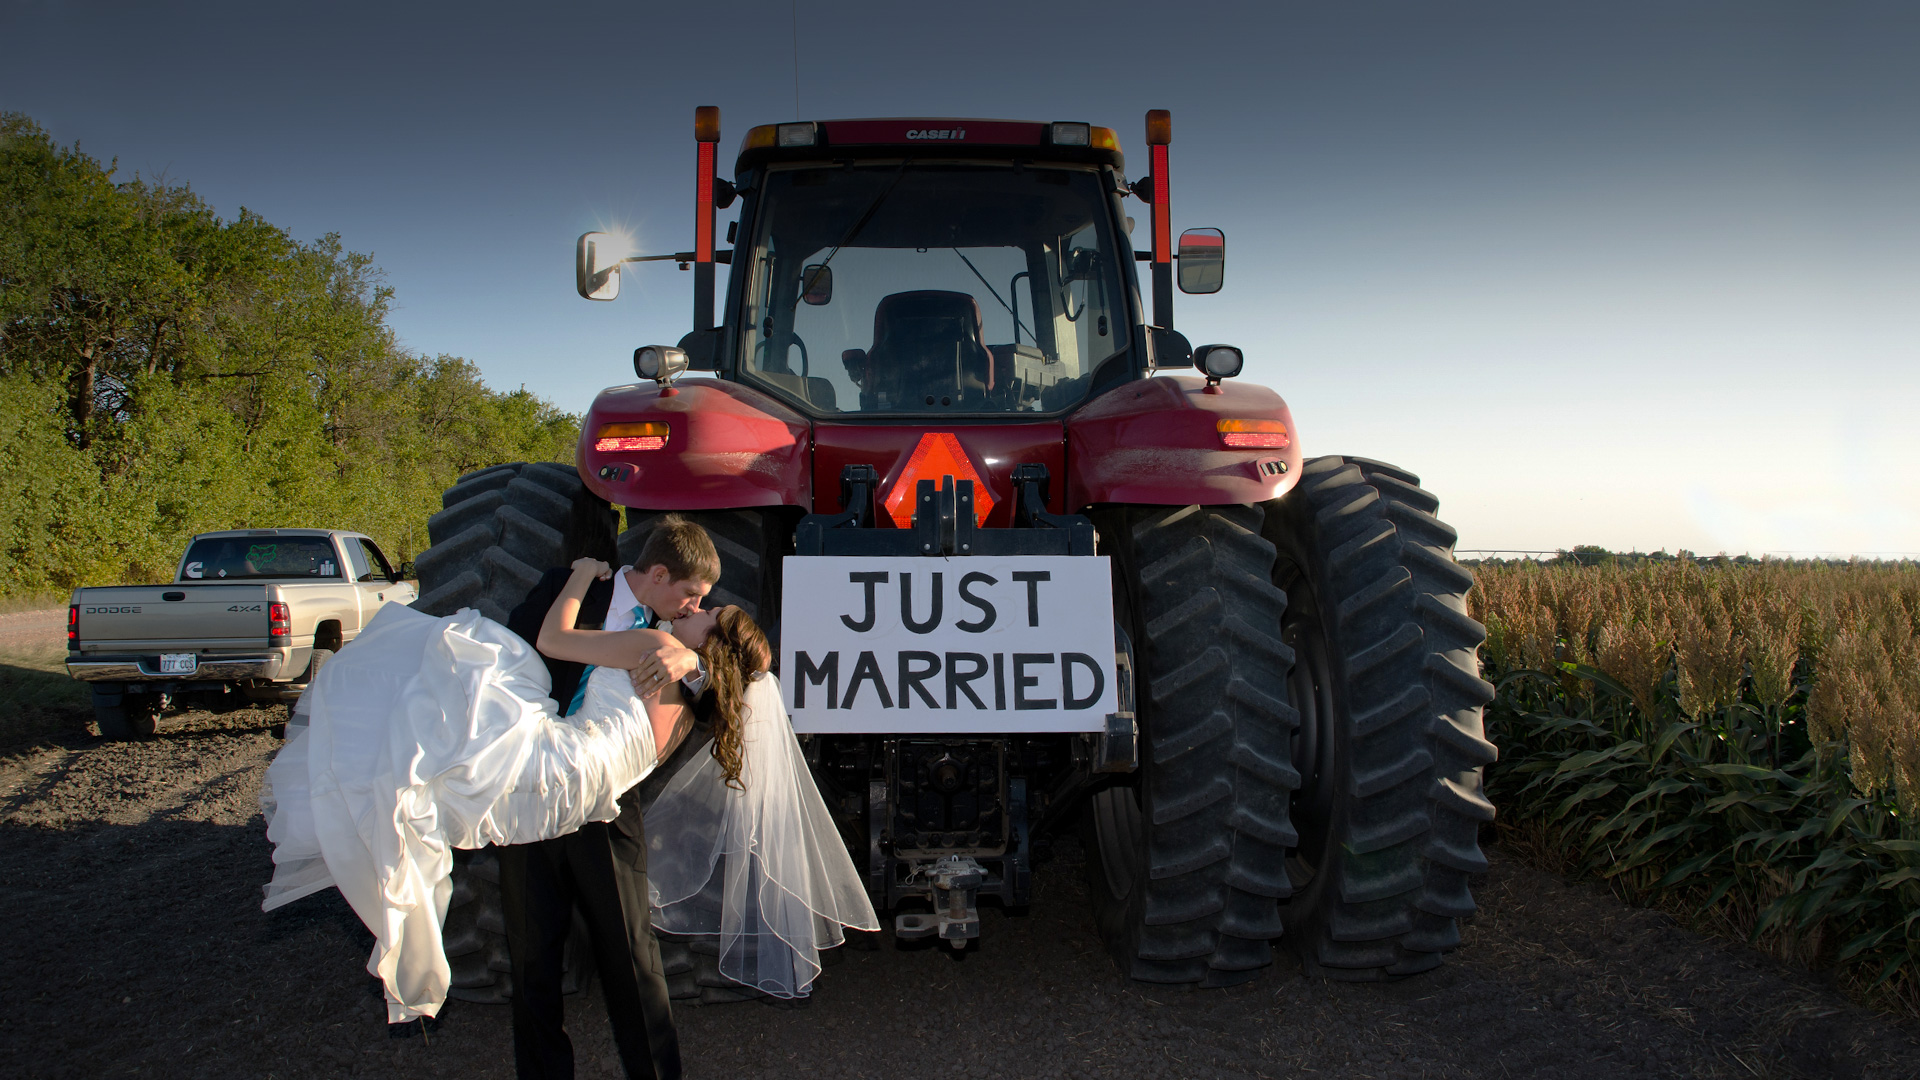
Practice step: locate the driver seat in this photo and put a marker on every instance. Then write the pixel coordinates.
(925, 343)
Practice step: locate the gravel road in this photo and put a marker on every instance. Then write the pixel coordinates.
(134, 945)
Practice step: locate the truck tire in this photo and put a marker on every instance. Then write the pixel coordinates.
(1390, 744)
(143, 713)
(314, 663)
(1187, 864)
(498, 531)
(110, 715)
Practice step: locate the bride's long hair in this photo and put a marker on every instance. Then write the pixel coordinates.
(736, 651)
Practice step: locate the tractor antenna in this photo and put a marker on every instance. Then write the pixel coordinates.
(795, 11)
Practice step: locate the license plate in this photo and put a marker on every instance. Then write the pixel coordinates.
(178, 663)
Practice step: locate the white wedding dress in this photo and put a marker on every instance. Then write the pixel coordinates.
(428, 734)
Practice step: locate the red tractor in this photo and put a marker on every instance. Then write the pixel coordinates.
(1001, 466)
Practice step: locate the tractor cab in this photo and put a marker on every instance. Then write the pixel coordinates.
(933, 289)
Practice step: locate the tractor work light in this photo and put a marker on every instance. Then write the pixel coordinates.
(1218, 362)
(1254, 434)
(1072, 134)
(661, 363)
(651, 435)
(795, 135)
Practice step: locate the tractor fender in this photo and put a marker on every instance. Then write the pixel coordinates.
(1156, 442)
(728, 446)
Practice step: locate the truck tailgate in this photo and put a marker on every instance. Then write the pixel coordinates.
(172, 618)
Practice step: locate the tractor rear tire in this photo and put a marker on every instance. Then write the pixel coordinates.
(1187, 865)
(500, 529)
(1390, 744)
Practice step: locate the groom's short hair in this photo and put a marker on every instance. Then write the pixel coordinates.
(683, 548)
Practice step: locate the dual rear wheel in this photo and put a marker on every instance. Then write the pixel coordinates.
(1311, 711)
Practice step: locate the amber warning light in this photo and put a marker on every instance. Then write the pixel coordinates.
(1254, 434)
(648, 436)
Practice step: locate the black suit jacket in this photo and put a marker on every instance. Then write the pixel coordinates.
(525, 621)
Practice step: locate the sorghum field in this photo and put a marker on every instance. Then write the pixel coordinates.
(1738, 744)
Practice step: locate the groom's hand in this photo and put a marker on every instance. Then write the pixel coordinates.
(668, 664)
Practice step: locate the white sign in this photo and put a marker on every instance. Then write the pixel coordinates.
(982, 644)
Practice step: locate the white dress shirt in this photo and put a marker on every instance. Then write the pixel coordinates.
(620, 616)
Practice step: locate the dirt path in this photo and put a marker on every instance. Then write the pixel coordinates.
(32, 631)
(134, 946)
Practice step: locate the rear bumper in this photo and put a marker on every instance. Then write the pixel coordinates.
(95, 667)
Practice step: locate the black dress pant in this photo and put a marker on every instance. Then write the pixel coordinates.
(604, 871)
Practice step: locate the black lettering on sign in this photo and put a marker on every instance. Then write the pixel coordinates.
(865, 670)
(961, 682)
(1000, 681)
(869, 578)
(1022, 680)
(987, 614)
(912, 677)
(1033, 578)
(906, 606)
(827, 671)
(1069, 661)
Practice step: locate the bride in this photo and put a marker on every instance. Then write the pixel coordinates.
(428, 734)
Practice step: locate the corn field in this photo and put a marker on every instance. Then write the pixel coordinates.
(1740, 742)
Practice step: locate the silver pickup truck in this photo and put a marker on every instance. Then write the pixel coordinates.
(251, 614)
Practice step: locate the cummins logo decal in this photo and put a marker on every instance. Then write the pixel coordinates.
(950, 134)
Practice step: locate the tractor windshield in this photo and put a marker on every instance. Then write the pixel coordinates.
(931, 288)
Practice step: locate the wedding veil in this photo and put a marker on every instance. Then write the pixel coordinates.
(764, 868)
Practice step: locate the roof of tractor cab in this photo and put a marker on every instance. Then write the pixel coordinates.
(945, 137)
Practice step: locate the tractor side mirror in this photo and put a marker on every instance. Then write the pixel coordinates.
(1203, 260)
(596, 265)
(816, 284)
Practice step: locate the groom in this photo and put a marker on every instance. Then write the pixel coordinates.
(602, 867)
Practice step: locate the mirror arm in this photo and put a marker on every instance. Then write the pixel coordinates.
(679, 256)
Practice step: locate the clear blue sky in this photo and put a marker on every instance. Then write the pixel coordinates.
(1643, 275)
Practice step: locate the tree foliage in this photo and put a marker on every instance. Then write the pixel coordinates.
(165, 372)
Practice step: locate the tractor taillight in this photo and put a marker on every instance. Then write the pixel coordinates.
(279, 622)
(1254, 434)
(73, 626)
(648, 436)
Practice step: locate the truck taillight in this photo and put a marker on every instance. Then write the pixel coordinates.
(279, 622)
(73, 626)
(1254, 434)
(647, 436)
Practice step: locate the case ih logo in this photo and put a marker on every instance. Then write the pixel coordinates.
(951, 134)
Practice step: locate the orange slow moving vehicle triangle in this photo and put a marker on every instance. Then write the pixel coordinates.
(938, 455)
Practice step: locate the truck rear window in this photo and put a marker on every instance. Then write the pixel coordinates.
(242, 558)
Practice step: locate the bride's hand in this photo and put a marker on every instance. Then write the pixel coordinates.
(594, 566)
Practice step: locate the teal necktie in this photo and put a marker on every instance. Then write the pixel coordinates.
(580, 692)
